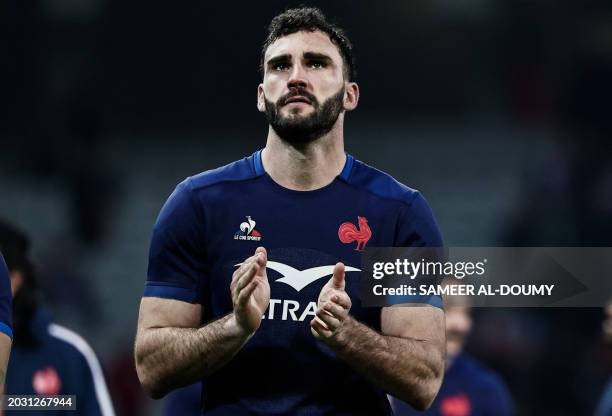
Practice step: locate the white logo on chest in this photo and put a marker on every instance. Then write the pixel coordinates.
(299, 279)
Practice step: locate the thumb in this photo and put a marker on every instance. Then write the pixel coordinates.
(262, 260)
(263, 257)
(337, 279)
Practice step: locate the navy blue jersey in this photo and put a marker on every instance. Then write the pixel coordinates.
(214, 220)
(468, 389)
(184, 401)
(60, 362)
(6, 300)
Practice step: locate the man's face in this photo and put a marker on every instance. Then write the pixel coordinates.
(304, 91)
(458, 326)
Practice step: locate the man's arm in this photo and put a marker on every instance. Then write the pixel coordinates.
(5, 352)
(171, 349)
(406, 359)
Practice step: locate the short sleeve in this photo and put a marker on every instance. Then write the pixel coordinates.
(417, 227)
(6, 300)
(177, 251)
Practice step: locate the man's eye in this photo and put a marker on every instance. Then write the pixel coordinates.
(280, 66)
(317, 65)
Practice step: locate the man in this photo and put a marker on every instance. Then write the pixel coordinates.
(468, 389)
(47, 358)
(234, 293)
(6, 325)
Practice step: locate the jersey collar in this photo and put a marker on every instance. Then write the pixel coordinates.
(344, 175)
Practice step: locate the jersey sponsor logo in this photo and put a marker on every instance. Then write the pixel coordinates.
(247, 231)
(299, 279)
(348, 232)
(287, 309)
(458, 405)
(46, 381)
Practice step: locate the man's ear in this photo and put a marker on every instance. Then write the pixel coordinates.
(16, 281)
(261, 99)
(351, 96)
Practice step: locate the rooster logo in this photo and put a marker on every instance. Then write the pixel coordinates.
(349, 233)
(247, 231)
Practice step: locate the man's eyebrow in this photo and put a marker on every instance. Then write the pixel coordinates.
(318, 56)
(278, 59)
(307, 55)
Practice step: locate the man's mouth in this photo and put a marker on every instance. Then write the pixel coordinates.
(297, 99)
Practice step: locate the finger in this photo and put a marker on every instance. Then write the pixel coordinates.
(338, 276)
(320, 328)
(321, 323)
(335, 309)
(246, 278)
(243, 267)
(262, 250)
(237, 275)
(329, 320)
(261, 260)
(246, 293)
(343, 300)
(315, 333)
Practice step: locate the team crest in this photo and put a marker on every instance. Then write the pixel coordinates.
(247, 231)
(46, 382)
(458, 405)
(348, 233)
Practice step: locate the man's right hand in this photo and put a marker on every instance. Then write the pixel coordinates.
(251, 291)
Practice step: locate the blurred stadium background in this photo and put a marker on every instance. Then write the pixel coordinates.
(499, 112)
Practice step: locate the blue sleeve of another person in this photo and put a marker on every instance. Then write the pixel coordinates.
(6, 300)
(176, 254)
(497, 400)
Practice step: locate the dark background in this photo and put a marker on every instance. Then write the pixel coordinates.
(497, 111)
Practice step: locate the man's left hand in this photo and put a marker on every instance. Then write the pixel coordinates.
(333, 308)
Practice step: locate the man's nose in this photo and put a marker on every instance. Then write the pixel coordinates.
(297, 78)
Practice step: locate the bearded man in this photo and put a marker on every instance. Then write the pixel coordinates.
(238, 293)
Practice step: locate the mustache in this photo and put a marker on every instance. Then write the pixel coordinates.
(294, 92)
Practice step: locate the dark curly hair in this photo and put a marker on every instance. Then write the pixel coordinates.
(310, 19)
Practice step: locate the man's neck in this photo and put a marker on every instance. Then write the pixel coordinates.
(307, 167)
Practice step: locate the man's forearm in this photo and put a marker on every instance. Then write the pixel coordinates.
(407, 368)
(168, 358)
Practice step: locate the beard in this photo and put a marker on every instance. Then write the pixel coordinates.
(296, 129)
